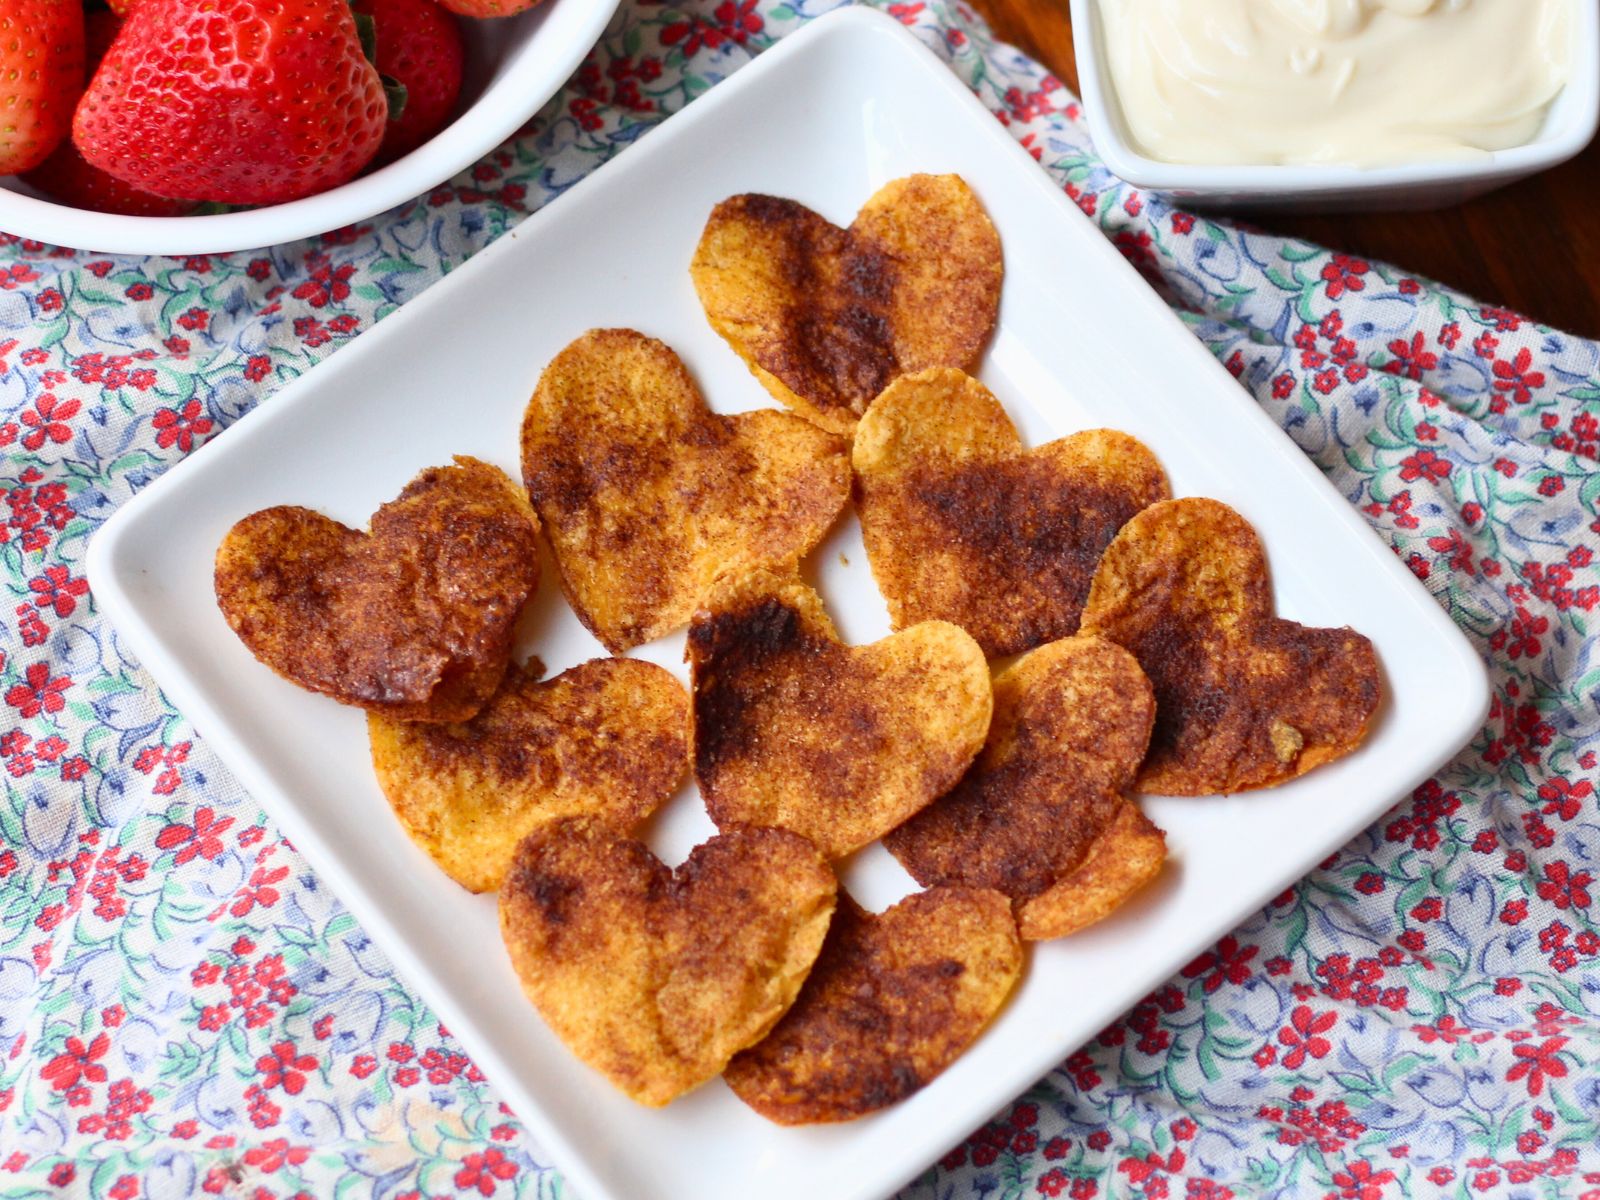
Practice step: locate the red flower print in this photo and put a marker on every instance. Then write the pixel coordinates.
(1536, 1063)
(285, 1068)
(1564, 888)
(1514, 378)
(1424, 464)
(275, 1154)
(1450, 1031)
(482, 1169)
(46, 421)
(1359, 1181)
(1301, 1035)
(77, 1061)
(257, 368)
(327, 284)
(1343, 274)
(1182, 222)
(906, 14)
(39, 693)
(10, 279)
(1229, 962)
(180, 427)
(1526, 630)
(203, 839)
(1564, 798)
(1459, 550)
(259, 890)
(1053, 1182)
(1411, 358)
(57, 589)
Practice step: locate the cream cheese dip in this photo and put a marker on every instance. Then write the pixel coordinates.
(1352, 82)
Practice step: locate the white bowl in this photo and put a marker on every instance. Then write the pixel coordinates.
(1568, 128)
(514, 65)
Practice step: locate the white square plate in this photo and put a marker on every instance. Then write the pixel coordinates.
(826, 117)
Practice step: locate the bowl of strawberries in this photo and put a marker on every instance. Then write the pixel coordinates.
(204, 126)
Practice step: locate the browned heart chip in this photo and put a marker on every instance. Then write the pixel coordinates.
(647, 495)
(827, 317)
(1244, 699)
(962, 524)
(607, 739)
(656, 977)
(839, 743)
(413, 620)
(1042, 815)
(893, 1000)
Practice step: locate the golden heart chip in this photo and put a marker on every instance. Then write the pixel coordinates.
(839, 743)
(413, 620)
(608, 739)
(1042, 815)
(962, 524)
(893, 1000)
(1244, 699)
(656, 977)
(827, 317)
(647, 495)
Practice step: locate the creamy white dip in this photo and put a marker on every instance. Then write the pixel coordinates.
(1364, 82)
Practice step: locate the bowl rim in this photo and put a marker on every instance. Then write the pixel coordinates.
(563, 32)
(1267, 180)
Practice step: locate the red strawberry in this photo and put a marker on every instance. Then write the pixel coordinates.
(236, 101)
(419, 47)
(66, 177)
(41, 74)
(489, 8)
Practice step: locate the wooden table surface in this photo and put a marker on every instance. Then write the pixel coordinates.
(1533, 247)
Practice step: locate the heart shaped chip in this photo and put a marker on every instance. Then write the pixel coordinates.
(413, 620)
(1244, 699)
(607, 739)
(1042, 814)
(656, 977)
(893, 1000)
(962, 524)
(827, 317)
(838, 743)
(647, 495)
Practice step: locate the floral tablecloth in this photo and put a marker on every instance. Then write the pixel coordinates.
(186, 1011)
